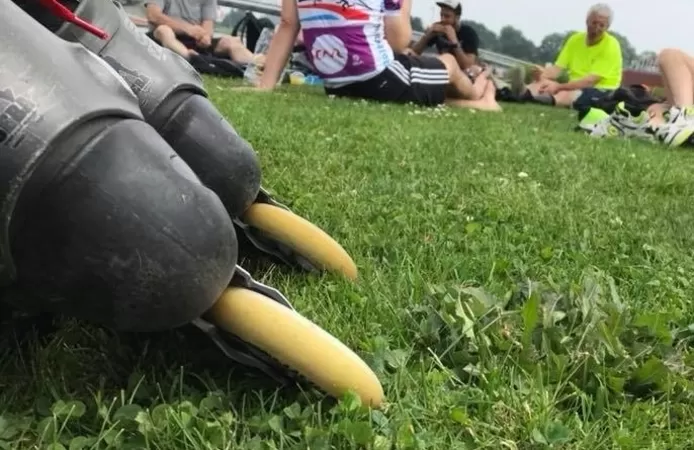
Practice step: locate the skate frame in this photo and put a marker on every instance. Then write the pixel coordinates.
(236, 349)
(270, 246)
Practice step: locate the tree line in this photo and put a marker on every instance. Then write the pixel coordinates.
(509, 41)
(512, 42)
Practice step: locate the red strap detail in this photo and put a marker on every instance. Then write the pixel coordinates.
(68, 16)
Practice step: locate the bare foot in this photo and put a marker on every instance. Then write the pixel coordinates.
(247, 88)
(483, 104)
(486, 103)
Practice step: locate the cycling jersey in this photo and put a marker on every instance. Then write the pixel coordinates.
(344, 39)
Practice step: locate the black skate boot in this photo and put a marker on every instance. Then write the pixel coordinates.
(101, 219)
(173, 100)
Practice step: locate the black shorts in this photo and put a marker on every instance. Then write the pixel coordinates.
(421, 80)
(590, 97)
(189, 42)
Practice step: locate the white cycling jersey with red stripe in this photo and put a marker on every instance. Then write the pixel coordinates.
(345, 39)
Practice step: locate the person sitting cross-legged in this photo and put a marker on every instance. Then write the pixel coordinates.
(356, 47)
(187, 27)
(593, 60)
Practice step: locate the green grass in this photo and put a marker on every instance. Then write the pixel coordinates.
(521, 286)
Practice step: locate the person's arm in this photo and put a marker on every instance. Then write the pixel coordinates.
(209, 14)
(585, 82)
(281, 45)
(156, 16)
(139, 21)
(467, 46)
(208, 26)
(552, 72)
(563, 60)
(423, 42)
(398, 28)
(609, 65)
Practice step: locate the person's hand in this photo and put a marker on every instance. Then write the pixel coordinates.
(450, 34)
(408, 51)
(205, 41)
(538, 72)
(196, 32)
(435, 28)
(549, 87)
(475, 71)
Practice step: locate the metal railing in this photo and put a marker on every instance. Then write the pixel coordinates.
(260, 6)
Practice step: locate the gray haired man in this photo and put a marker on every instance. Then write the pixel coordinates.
(592, 60)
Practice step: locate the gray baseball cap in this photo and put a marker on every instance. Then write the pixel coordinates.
(453, 4)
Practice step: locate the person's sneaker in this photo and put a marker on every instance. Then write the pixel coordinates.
(678, 128)
(680, 115)
(623, 122)
(589, 118)
(635, 122)
(675, 134)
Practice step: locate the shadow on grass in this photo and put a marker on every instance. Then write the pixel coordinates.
(53, 357)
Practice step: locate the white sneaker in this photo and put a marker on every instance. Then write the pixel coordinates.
(680, 115)
(675, 134)
(622, 123)
(678, 129)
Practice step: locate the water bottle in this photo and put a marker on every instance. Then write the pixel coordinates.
(313, 80)
(253, 70)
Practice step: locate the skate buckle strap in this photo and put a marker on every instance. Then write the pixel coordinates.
(68, 16)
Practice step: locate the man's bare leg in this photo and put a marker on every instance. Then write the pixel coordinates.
(486, 103)
(460, 85)
(534, 90)
(233, 48)
(166, 36)
(566, 99)
(530, 92)
(677, 69)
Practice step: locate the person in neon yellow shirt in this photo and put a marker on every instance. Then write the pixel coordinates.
(592, 59)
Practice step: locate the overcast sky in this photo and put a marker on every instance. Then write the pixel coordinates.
(671, 20)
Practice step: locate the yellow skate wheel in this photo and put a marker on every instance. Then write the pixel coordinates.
(296, 343)
(302, 236)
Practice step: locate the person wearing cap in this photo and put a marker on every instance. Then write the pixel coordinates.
(592, 59)
(450, 35)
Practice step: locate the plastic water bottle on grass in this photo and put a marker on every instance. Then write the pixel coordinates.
(254, 69)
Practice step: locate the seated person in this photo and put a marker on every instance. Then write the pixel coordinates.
(187, 26)
(356, 47)
(677, 70)
(299, 41)
(592, 58)
(449, 35)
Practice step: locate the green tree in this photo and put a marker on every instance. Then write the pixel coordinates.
(488, 39)
(550, 46)
(629, 54)
(512, 42)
